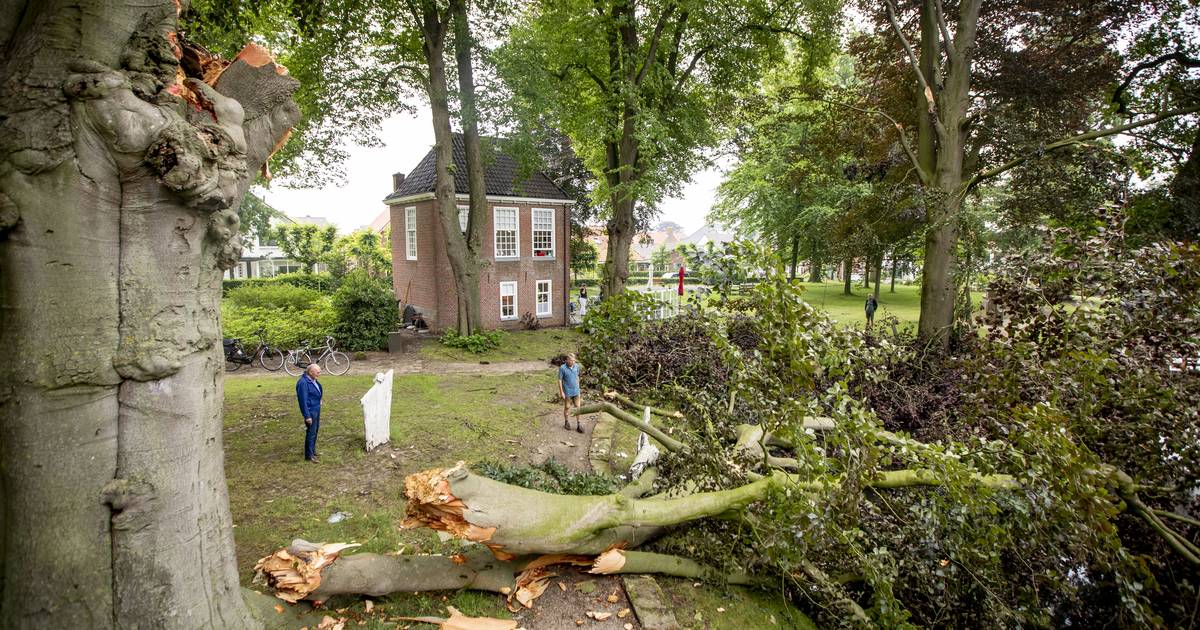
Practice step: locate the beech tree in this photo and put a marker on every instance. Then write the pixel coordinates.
(641, 87)
(121, 174)
(981, 103)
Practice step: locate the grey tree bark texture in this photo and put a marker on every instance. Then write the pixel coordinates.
(117, 214)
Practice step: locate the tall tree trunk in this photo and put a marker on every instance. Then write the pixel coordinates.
(814, 261)
(795, 256)
(866, 276)
(946, 180)
(847, 269)
(893, 287)
(878, 273)
(116, 218)
(464, 259)
(620, 237)
(622, 154)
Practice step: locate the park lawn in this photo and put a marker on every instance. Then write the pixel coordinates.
(904, 304)
(276, 496)
(518, 345)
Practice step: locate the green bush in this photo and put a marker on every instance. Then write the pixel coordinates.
(285, 328)
(366, 312)
(274, 296)
(323, 282)
(477, 343)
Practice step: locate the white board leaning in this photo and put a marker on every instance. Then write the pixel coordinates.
(377, 410)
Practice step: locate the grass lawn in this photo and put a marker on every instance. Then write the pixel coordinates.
(520, 345)
(276, 496)
(905, 303)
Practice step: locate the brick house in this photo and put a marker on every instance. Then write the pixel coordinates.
(525, 244)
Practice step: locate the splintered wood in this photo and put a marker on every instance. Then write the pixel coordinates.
(431, 504)
(609, 562)
(459, 621)
(295, 575)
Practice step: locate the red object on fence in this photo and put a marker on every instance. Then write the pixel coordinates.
(681, 271)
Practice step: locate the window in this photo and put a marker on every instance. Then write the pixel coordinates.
(464, 213)
(543, 299)
(507, 242)
(410, 232)
(543, 232)
(508, 300)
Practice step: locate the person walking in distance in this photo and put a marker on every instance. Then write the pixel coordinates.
(871, 306)
(568, 388)
(308, 394)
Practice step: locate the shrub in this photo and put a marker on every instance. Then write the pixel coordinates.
(477, 343)
(366, 312)
(322, 282)
(286, 328)
(273, 296)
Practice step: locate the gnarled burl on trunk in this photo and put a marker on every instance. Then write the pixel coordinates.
(120, 173)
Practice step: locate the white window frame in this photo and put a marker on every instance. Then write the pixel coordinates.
(512, 288)
(464, 215)
(538, 293)
(410, 232)
(533, 232)
(496, 233)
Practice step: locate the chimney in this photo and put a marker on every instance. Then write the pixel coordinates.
(397, 179)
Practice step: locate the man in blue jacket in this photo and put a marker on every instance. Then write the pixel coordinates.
(308, 394)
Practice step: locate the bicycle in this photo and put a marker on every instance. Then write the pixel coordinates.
(269, 358)
(330, 359)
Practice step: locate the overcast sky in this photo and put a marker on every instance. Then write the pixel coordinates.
(369, 178)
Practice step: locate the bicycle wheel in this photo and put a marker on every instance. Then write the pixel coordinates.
(296, 363)
(271, 359)
(336, 363)
(231, 366)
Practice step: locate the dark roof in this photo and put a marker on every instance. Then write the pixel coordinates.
(499, 175)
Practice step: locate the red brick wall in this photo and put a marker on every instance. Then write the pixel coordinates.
(432, 283)
(416, 282)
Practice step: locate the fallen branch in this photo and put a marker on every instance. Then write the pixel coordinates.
(669, 443)
(620, 561)
(751, 443)
(628, 402)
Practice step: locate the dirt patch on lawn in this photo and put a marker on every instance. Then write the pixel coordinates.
(565, 606)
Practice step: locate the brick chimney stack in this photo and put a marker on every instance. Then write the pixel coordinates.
(397, 179)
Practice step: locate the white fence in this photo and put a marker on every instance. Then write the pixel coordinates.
(667, 299)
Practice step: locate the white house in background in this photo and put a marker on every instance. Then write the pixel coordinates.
(262, 258)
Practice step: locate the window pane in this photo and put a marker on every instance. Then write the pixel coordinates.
(543, 232)
(410, 232)
(506, 232)
(543, 298)
(508, 300)
(463, 215)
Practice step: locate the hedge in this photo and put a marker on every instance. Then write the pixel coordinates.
(323, 282)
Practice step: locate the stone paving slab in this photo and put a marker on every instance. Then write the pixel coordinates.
(649, 603)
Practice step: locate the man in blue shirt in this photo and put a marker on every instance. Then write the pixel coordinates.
(568, 388)
(308, 394)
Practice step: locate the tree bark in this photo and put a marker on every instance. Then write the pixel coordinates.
(878, 274)
(893, 287)
(847, 269)
(116, 218)
(462, 251)
(795, 256)
(814, 261)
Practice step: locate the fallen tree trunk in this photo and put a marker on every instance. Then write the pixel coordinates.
(526, 532)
